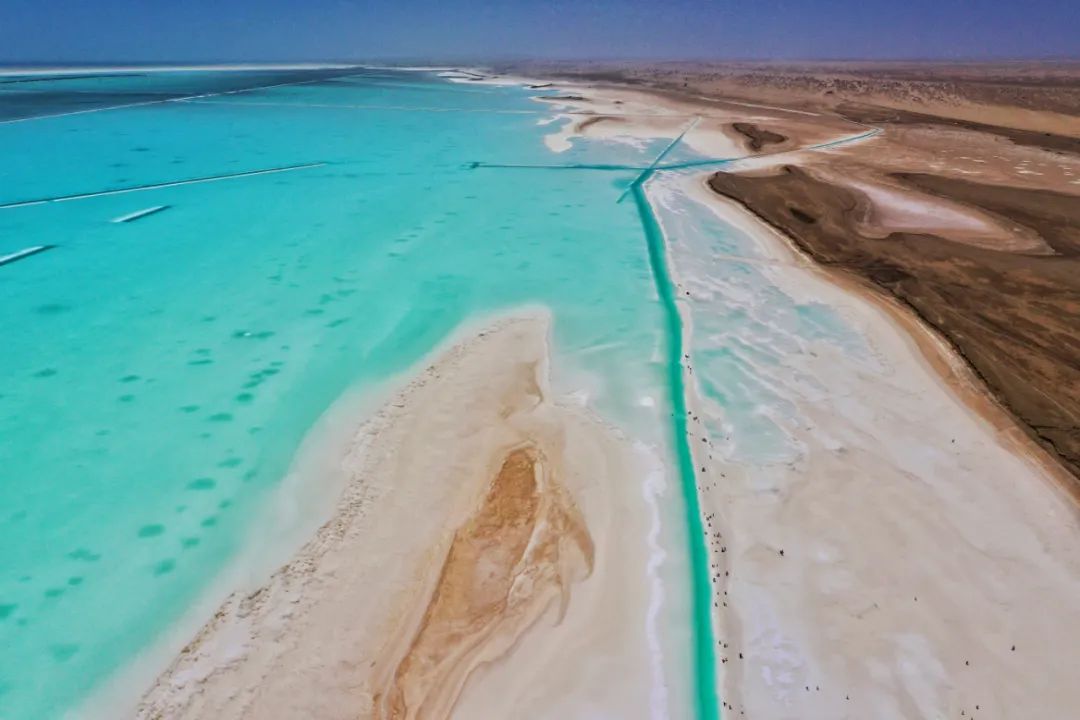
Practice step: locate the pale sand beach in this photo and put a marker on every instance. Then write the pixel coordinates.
(487, 555)
(634, 116)
(917, 559)
(893, 568)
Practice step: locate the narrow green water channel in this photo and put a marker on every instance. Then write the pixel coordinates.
(701, 595)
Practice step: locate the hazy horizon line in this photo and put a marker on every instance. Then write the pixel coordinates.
(463, 60)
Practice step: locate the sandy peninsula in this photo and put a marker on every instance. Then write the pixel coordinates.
(486, 559)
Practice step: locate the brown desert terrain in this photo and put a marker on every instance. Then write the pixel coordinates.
(965, 208)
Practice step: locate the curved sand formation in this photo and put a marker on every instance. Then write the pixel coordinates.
(522, 548)
(488, 557)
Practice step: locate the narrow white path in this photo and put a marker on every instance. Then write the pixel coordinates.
(24, 253)
(130, 217)
(158, 186)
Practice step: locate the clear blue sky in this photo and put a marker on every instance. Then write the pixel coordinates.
(160, 30)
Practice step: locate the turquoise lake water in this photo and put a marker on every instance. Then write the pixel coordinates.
(159, 375)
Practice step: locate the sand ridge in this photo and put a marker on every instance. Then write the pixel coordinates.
(484, 533)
